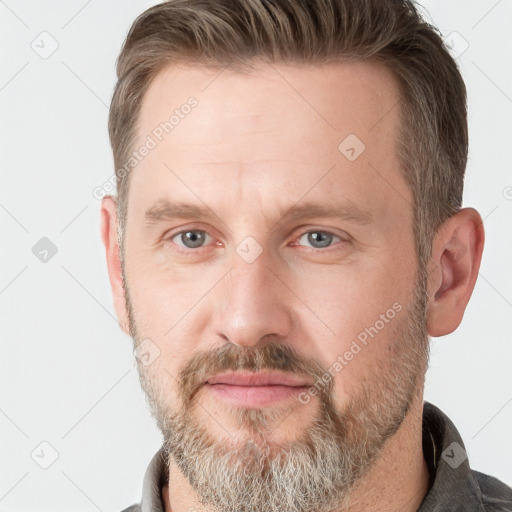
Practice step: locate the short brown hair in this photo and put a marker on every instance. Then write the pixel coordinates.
(432, 140)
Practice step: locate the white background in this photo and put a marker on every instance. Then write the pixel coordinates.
(67, 373)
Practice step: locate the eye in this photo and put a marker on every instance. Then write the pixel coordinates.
(197, 238)
(190, 239)
(320, 239)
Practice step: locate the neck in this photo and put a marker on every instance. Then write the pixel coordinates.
(397, 481)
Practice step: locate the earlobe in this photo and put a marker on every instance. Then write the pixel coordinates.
(109, 236)
(456, 255)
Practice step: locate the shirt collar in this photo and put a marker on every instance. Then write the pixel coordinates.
(154, 479)
(453, 486)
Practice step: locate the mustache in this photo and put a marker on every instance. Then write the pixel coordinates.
(229, 357)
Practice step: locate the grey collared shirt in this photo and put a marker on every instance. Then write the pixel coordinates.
(454, 486)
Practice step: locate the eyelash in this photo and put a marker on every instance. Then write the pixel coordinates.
(326, 249)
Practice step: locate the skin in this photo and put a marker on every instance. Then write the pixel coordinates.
(256, 145)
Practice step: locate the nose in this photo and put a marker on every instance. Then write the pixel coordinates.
(252, 303)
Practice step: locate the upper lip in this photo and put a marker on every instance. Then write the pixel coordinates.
(262, 378)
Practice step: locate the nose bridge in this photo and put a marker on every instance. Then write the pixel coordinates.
(250, 282)
(252, 302)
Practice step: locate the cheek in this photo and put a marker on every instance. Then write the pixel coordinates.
(166, 312)
(361, 311)
(161, 296)
(349, 299)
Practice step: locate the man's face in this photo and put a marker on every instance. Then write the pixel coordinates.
(331, 299)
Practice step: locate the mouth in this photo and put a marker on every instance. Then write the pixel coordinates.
(263, 378)
(254, 390)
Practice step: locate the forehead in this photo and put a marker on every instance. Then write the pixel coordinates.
(337, 95)
(281, 125)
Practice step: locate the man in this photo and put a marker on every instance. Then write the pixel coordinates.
(287, 234)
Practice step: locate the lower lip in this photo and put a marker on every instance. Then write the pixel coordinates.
(255, 396)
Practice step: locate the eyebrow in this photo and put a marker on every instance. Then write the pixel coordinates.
(164, 210)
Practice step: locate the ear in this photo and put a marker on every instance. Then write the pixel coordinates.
(456, 255)
(109, 226)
